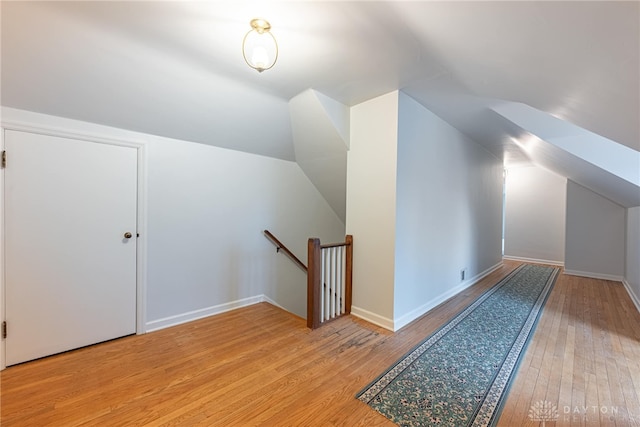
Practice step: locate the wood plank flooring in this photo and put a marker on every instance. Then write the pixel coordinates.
(261, 366)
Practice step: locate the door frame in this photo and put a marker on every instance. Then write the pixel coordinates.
(141, 244)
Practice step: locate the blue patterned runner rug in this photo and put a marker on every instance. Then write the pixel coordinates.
(460, 375)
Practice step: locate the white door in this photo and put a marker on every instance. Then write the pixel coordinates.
(70, 270)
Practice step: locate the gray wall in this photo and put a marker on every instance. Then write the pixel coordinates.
(632, 269)
(448, 211)
(208, 207)
(595, 234)
(535, 210)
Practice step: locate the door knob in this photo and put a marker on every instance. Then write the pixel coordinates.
(127, 235)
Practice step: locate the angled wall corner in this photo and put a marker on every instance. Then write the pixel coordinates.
(595, 235)
(320, 129)
(371, 201)
(423, 203)
(338, 113)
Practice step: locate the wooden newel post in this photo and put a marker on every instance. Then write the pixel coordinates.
(348, 273)
(314, 282)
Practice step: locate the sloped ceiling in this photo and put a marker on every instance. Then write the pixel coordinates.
(176, 69)
(597, 163)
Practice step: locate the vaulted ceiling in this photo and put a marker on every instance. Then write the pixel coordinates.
(176, 69)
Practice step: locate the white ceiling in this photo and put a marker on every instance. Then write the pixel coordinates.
(176, 68)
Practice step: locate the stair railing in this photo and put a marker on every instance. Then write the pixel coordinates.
(329, 278)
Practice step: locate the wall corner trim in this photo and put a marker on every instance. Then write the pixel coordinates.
(591, 275)
(371, 317)
(635, 298)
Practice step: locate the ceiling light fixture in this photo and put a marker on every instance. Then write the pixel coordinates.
(259, 47)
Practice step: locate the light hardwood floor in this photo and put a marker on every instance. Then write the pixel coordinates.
(261, 366)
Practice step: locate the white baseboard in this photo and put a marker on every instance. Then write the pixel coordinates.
(416, 313)
(534, 260)
(594, 275)
(178, 319)
(635, 298)
(371, 317)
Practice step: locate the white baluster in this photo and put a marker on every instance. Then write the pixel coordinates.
(327, 284)
(333, 282)
(339, 281)
(343, 275)
(321, 305)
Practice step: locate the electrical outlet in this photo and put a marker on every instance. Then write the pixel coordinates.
(463, 274)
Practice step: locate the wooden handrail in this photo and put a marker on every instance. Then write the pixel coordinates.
(279, 246)
(334, 245)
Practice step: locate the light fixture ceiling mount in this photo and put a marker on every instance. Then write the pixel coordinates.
(259, 47)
